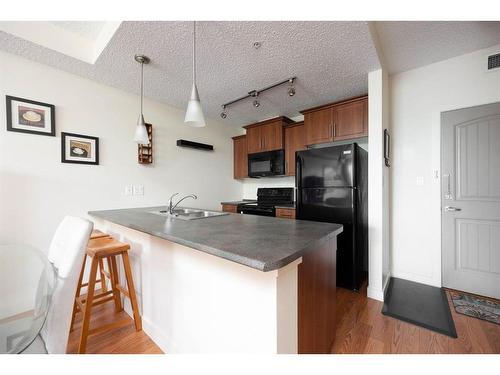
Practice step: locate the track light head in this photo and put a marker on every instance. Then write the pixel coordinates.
(223, 114)
(256, 103)
(291, 87)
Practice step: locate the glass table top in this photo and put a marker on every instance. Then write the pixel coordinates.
(27, 281)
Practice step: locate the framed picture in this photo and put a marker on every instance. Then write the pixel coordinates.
(387, 148)
(79, 149)
(28, 116)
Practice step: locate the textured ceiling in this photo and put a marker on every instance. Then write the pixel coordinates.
(330, 59)
(408, 45)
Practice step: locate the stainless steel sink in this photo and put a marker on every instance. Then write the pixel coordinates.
(189, 213)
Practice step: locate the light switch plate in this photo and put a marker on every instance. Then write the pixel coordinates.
(128, 190)
(139, 190)
(420, 181)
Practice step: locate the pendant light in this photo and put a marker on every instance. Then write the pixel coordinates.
(141, 133)
(194, 113)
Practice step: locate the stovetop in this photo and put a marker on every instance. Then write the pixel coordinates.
(271, 197)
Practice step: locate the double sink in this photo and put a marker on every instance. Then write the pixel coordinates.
(189, 213)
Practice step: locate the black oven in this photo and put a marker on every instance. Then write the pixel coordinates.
(264, 164)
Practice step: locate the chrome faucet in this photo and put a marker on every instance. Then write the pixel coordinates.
(171, 206)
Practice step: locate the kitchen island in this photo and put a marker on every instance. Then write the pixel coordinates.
(231, 283)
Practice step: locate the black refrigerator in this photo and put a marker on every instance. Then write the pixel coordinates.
(332, 186)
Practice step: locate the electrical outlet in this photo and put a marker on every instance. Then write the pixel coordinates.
(139, 190)
(129, 190)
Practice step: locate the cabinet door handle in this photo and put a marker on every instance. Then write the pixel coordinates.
(330, 131)
(334, 130)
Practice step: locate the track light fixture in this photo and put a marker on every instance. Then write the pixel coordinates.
(291, 87)
(255, 93)
(223, 114)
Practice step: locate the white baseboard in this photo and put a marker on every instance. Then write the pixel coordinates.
(154, 333)
(378, 294)
(416, 278)
(375, 293)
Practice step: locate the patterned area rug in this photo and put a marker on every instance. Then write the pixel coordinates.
(477, 307)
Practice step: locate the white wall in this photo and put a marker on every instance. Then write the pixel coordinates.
(378, 183)
(417, 99)
(37, 190)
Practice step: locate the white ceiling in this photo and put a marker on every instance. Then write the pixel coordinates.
(330, 59)
(409, 45)
(86, 29)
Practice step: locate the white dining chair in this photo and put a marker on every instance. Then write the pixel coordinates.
(66, 253)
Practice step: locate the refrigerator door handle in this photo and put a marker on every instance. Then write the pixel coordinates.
(298, 172)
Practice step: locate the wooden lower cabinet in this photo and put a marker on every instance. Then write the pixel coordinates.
(233, 208)
(240, 157)
(285, 213)
(316, 299)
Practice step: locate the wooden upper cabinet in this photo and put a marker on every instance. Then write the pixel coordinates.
(254, 140)
(240, 157)
(350, 120)
(295, 140)
(266, 135)
(272, 136)
(337, 121)
(319, 126)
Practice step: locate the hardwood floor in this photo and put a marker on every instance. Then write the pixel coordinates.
(361, 328)
(124, 340)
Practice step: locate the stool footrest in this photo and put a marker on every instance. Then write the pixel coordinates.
(122, 290)
(87, 284)
(98, 299)
(108, 326)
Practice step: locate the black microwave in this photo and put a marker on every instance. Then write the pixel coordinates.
(265, 164)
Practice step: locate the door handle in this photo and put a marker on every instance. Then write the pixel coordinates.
(452, 209)
(334, 130)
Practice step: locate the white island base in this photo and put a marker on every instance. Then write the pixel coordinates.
(193, 302)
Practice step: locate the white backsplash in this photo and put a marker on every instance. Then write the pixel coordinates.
(251, 185)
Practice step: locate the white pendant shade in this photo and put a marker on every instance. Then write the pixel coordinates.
(141, 133)
(194, 113)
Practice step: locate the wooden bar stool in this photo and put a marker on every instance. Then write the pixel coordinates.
(98, 249)
(96, 233)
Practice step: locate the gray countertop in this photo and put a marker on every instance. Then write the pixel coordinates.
(260, 242)
(243, 201)
(286, 206)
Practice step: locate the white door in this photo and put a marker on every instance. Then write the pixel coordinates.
(470, 199)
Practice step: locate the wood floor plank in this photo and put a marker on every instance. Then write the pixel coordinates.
(362, 328)
(125, 340)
